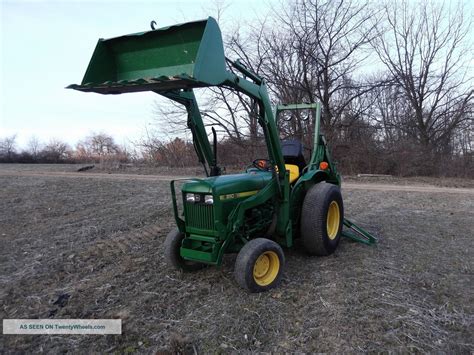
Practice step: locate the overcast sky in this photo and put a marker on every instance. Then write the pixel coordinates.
(46, 45)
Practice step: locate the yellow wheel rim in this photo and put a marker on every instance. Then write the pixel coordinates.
(266, 268)
(333, 220)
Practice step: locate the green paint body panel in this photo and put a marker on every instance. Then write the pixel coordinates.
(182, 56)
(174, 60)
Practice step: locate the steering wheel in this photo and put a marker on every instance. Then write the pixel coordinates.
(262, 164)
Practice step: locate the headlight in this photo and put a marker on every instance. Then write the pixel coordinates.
(208, 199)
(190, 198)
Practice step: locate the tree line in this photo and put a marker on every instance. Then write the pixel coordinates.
(95, 148)
(394, 80)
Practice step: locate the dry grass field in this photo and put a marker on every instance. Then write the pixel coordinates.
(96, 242)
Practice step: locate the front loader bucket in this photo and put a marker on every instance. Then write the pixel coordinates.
(176, 57)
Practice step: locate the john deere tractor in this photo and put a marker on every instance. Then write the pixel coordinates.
(256, 212)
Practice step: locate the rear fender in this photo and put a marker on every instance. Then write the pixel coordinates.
(304, 183)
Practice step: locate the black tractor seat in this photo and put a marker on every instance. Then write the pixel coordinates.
(293, 153)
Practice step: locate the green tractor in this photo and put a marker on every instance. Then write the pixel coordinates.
(254, 213)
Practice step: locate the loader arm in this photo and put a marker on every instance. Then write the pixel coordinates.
(196, 125)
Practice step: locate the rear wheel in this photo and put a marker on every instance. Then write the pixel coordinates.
(259, 265)
(173, 256)
(321, 219)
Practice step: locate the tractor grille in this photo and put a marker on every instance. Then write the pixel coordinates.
(199, 215)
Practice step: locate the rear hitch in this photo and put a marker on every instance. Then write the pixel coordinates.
(358, 234)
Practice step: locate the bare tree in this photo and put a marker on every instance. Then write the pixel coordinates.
(308, 54)
(56, 151)
(312, 53)
(101, 147)
(423, 45)
(100, 144)
(232, 114)
(8, 147)
(34, 147)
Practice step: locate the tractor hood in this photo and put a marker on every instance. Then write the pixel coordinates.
(230, 184)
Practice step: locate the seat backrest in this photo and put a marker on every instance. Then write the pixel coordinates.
(294, 171)
(293, 153)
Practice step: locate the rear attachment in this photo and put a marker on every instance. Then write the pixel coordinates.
(358, 234)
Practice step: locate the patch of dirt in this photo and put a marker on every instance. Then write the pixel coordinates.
(416, 180)
(93, 248)
(347, 185)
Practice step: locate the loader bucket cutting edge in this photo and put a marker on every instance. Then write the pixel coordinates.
(181, 56)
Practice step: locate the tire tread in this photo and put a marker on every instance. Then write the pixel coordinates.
(313, 219)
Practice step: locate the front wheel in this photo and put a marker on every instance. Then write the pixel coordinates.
(321, 219)
(173, 257)
(259, 265)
